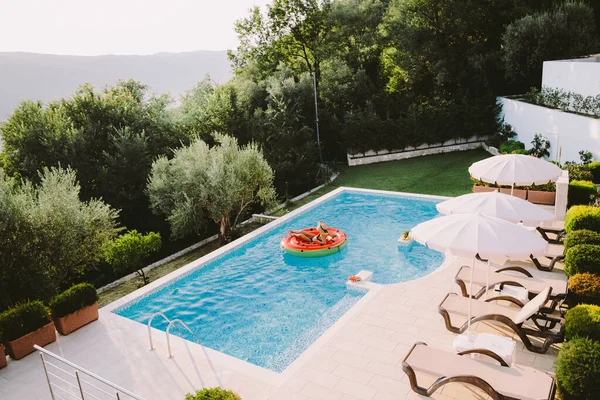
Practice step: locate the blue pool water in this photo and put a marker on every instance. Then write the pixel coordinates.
(266, 307)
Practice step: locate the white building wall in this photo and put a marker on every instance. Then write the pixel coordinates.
(579, 76)
(568, 133)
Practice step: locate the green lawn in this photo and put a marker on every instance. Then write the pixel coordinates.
(441, 174)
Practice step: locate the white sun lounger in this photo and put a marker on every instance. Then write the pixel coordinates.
(498, 381)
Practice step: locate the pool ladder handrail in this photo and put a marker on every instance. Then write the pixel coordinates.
(171, 324)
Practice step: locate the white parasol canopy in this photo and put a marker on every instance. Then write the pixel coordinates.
(468, 235)
(496, 204)
(515, 170)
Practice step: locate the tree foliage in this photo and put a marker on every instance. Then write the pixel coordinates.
(216, 183)
(566, 31)
(48, 236)
(130, 251)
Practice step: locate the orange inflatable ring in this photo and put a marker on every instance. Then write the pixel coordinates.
(354, 278)
(336, 240)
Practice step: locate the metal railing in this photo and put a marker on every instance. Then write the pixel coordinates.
(62, 381)
(171, 324)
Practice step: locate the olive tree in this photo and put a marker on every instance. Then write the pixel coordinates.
(48, 236)
(130, 251)
(216, 183)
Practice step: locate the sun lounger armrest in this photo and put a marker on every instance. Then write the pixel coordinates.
(516, 269)
(506, 298)
(485, 352)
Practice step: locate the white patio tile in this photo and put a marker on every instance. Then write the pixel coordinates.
(356, 389)
(354, 374)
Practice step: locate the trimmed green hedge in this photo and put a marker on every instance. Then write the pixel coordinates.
(583, 217)
(594, 168)
(213, 394)
(23, 319)
(511, 146)
(582, 192)
(583, 321)
(578, 370)
(582, 258)
(73, 299)
(584, 236)
(584, 288)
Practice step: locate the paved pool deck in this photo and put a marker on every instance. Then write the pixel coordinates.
(359, 358)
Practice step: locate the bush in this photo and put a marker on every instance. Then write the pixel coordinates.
(213, 394)
(584, 236)
(73, 299)
(583, 321)
(578, 172)
(510, 146)
(594, 169)
(582, 258)
(582, 192)
(584, 288)
(583, 217)
(23, 319)
(578, 370)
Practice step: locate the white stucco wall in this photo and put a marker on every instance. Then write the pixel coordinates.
(568, 133)
(579, 76)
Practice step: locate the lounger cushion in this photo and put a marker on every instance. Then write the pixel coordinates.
(520, 383)
(533, 306)
(533, 285)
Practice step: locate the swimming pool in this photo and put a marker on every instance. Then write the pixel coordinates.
(258, 304)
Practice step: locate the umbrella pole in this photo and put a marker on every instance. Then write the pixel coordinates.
(470, 297)
(487, 279)
(512, 189)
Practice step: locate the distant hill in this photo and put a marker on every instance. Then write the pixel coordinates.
(47, 77)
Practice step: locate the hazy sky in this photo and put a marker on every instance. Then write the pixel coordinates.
(92, 27)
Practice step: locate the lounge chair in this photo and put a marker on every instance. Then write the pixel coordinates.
(500, 382)
(546, 268)
(511, 317)
(558, 238)
(507, 276)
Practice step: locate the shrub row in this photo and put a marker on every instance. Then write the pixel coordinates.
(578, 369)
(594, 168)
(582, 193)
(579, 172)
(582, 258)
(32, 315)
(584, 236)
(583, 217)
(584, 288)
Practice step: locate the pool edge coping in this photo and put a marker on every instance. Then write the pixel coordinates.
(272, 377)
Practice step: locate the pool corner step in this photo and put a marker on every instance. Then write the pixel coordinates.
(364, 282)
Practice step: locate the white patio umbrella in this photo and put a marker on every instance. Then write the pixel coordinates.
(496, 204)
(515, 170)
(469, 235)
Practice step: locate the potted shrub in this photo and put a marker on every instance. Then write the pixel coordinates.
(74, 308)
(542, 194)
(25, 325)
(2, 352)
(578, 369)
(215, 393)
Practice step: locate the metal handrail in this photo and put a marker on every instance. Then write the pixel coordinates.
(150, 326)
(78, 370)
(172, 323)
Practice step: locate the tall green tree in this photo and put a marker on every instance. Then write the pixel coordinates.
(202, 183)
(567, 31)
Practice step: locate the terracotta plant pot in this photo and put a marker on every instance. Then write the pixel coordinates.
(22, 346)
(483, 189)
(520, 193)
(539, 197)
(2, 357)
(74, 321)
